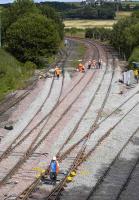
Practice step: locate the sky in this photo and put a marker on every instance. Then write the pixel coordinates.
(10, 1)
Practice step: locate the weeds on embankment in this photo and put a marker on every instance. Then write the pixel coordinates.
(13, 73)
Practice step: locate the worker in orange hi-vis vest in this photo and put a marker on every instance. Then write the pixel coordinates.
(57, 72)
(81, 68)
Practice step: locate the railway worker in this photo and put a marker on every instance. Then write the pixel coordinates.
(54, 169)
(57, 72)
(136, 75)
(94, 63)
(99, 63)
(81, 68)
(89, 64)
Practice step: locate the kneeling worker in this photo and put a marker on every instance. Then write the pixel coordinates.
(57, 72)
(81, 68)
(54, 169)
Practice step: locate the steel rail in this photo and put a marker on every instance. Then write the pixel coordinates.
(30, 151)
(16, 100)
(32, 186)
(22, 96)
(75, 128)
(55, 194)
(95, 125)
(107, 171)
(27, 152)
(11, 147)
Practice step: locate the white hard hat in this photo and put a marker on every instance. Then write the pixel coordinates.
(54, 158)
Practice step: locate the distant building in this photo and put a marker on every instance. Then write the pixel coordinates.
(100, 1)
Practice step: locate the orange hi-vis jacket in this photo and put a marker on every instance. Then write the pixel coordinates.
(57, 71)
(81, 67)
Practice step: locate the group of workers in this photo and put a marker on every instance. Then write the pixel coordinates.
(80, 67)
(94, 64)
(91, 63)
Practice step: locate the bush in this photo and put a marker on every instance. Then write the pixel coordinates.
(32, 37)
(13, 73)
(134, 56)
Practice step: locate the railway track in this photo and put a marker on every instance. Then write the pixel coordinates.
(81, 152)
(11, 101)
(85, 156)
(79, 93)
(92, 99)
(57, 190)
(19, 137)
(118, 176)
(28, 136)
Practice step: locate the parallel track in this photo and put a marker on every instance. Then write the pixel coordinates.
(81, 157)
(79, 154)
(28, 153)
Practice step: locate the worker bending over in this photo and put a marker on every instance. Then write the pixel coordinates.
(57, 72)
(81, 68)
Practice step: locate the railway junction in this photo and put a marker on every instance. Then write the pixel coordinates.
(85, 121)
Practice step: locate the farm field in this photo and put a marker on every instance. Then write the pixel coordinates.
(82, 24)
(122, 14)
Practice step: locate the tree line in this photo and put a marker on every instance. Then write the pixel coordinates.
(30, 32)
(83, 11)
(124, 36)
(91, 12)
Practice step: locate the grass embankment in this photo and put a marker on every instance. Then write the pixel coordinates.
(12, 73)
(80, 49)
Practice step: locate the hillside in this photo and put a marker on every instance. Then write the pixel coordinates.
(12, 73)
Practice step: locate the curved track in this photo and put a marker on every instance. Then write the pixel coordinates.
(97, 89)
(90, 143)
(81, 156)
(74, 100)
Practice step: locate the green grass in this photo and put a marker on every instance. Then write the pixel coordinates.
(12, 73)
(81, 49)
(78, 33)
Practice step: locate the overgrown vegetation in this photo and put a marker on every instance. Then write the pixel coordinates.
(13, 73)
(124, 36)
(33, 35)
(31, 32)
(81, 49)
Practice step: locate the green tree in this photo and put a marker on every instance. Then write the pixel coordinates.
(52, 14)
(32, 37)
(135, 55)
(16, 10)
